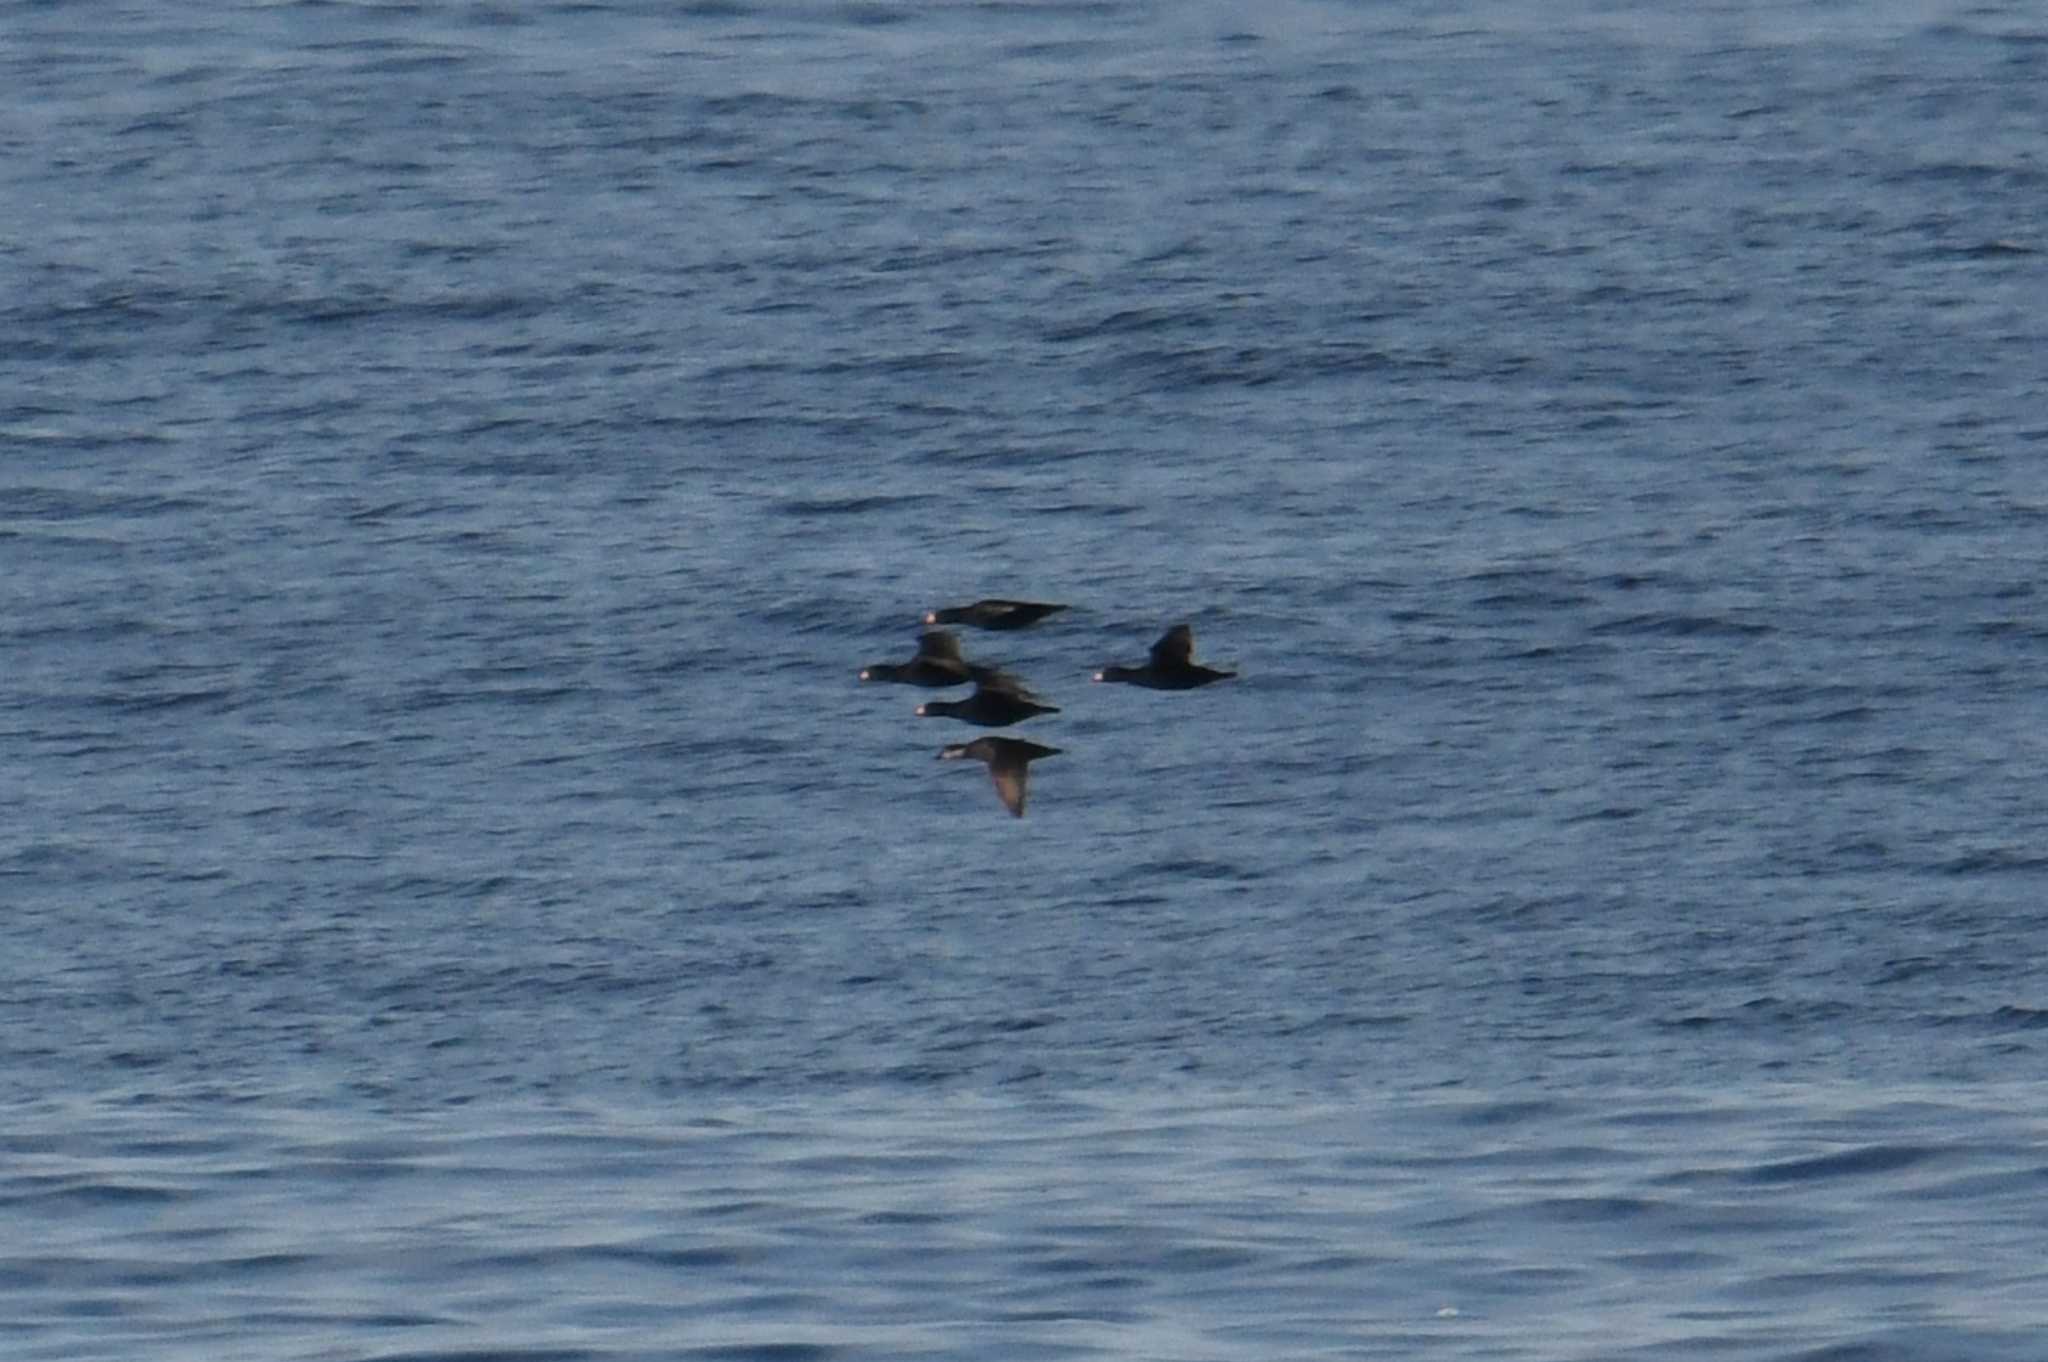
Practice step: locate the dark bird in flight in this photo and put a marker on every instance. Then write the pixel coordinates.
(993, 614)
(1172, 665)
(999, 700)
(1009, 762)
(937, 663)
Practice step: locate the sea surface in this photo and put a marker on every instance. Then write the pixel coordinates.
(458, 902)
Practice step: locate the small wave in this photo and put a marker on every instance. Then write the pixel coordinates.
(65, 504)
(1993, 861)
(1901, 970)
(1191, 868)
(1342, 1022)
(1893, 1345)
(1878, 1158)
(1992, 250)
(1775, 1011)
(1768, 1013)
(438, 697)
(494, 1355)
(1531, 599)
(692, 1258)
(913, 362)
(846, 505)
(1606, 813)
(157, 701)
(92, 1195)
(1492, 1114)
(1682, 626)
(1188, 368)
(1849, 714)
(1123, 322)
(1572, 1210)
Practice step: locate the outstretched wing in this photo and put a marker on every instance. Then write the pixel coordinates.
(1175, 648)
(1009, 778)
(940, 645)
(996, 679)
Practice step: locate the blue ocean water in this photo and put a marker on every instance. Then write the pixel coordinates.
(457, 901)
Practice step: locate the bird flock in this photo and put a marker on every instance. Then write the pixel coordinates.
(1000, 699)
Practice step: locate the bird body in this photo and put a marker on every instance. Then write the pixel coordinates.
(994, 613)
(998, 701)
(938, 662)
(1172, 665)
(1009, 761)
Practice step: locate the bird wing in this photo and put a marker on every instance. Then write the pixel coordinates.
(1009, 778)
(1175, 648)
(940, 645)
(939, 671)
(996, 679)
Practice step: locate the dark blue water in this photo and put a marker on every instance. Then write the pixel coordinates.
(457, 902)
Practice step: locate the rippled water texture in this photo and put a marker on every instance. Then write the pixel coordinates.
(457, 900)
(1105, 1228)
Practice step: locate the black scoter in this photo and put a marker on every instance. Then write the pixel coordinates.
(937, 663)
(1171, 667)
(1009, 761)
(999, 700)
(993, 614)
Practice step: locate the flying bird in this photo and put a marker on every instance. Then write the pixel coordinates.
(938, 662)
(1172, 665)
(993, 614)
(1009, 764)
(999, 700)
